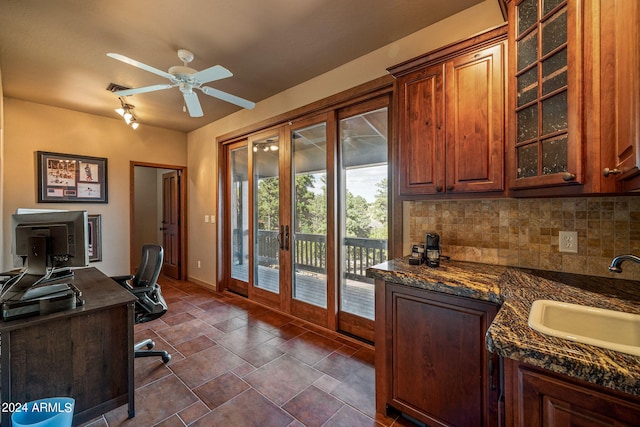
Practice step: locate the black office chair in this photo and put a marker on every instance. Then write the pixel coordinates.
(150, 304)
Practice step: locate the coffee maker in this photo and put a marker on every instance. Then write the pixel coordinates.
(432, 250)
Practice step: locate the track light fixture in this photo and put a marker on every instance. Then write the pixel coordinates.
(267, 145)
(126, 111)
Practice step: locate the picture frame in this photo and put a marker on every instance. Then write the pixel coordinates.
(95, 238)
(70, 178)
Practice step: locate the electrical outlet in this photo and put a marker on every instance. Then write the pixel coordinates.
(568, 241)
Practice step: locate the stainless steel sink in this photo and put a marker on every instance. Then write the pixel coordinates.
(610, 329)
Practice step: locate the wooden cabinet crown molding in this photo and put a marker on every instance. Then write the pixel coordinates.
(478, 41)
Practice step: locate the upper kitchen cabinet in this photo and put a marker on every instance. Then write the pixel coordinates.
(620, 21)
(450, 118)
(573, 105)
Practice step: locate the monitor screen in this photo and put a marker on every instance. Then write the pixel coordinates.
(46, 240)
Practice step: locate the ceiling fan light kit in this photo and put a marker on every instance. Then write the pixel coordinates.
(186, 79)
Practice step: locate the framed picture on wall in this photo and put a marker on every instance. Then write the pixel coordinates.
(69, 178)
(95, 238)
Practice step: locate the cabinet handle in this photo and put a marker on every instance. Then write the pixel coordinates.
(439, 188)
(606, 172)
(449, 187)
(568, 176)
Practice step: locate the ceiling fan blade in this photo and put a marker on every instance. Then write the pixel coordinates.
(145, 89)
(140, 65)
(216, 72)
(192, 103)
(228, 97)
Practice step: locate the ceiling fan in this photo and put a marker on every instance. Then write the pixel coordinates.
(187, 79)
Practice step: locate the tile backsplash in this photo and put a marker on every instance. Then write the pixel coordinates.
(524, 232)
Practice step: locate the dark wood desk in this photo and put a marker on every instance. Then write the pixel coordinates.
(85, 353)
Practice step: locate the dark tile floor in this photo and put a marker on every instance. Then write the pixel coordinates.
(236, 363)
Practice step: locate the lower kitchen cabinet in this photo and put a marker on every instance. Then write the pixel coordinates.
(431, 359)
(538, 397)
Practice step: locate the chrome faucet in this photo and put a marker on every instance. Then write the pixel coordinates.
(617, 262)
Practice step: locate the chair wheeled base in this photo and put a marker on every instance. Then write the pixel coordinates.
(139, 352)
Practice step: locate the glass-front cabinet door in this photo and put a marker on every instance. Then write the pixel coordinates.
(547, 134)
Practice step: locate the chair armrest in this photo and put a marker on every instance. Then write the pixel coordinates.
(122, 280)
(141, 290)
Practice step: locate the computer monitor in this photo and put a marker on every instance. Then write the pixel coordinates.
(49, 240)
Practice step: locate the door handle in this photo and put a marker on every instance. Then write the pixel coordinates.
(280, 236)
(286, 237)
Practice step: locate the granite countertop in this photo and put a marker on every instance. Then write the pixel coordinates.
(515, 289)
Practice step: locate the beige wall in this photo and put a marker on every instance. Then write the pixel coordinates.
(145, 216)
(30, 127)
(202, 143)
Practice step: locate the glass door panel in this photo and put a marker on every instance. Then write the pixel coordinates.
(542, 76)
(239, 213)
(266, 217)
(309, 210)
(364, 207)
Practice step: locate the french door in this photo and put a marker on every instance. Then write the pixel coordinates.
(363, 211)
(236, 218)
(289, 215)
(298, 203)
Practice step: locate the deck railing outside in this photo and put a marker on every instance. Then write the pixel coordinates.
(358, 254)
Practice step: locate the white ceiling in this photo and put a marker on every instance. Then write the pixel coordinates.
(54, 52)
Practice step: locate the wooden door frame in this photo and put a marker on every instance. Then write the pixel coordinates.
(182, 172)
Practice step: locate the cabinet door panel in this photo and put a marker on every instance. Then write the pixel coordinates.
(474, 99)
(535, 398)
(621, 99)
(421, 147)
(439, 368)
